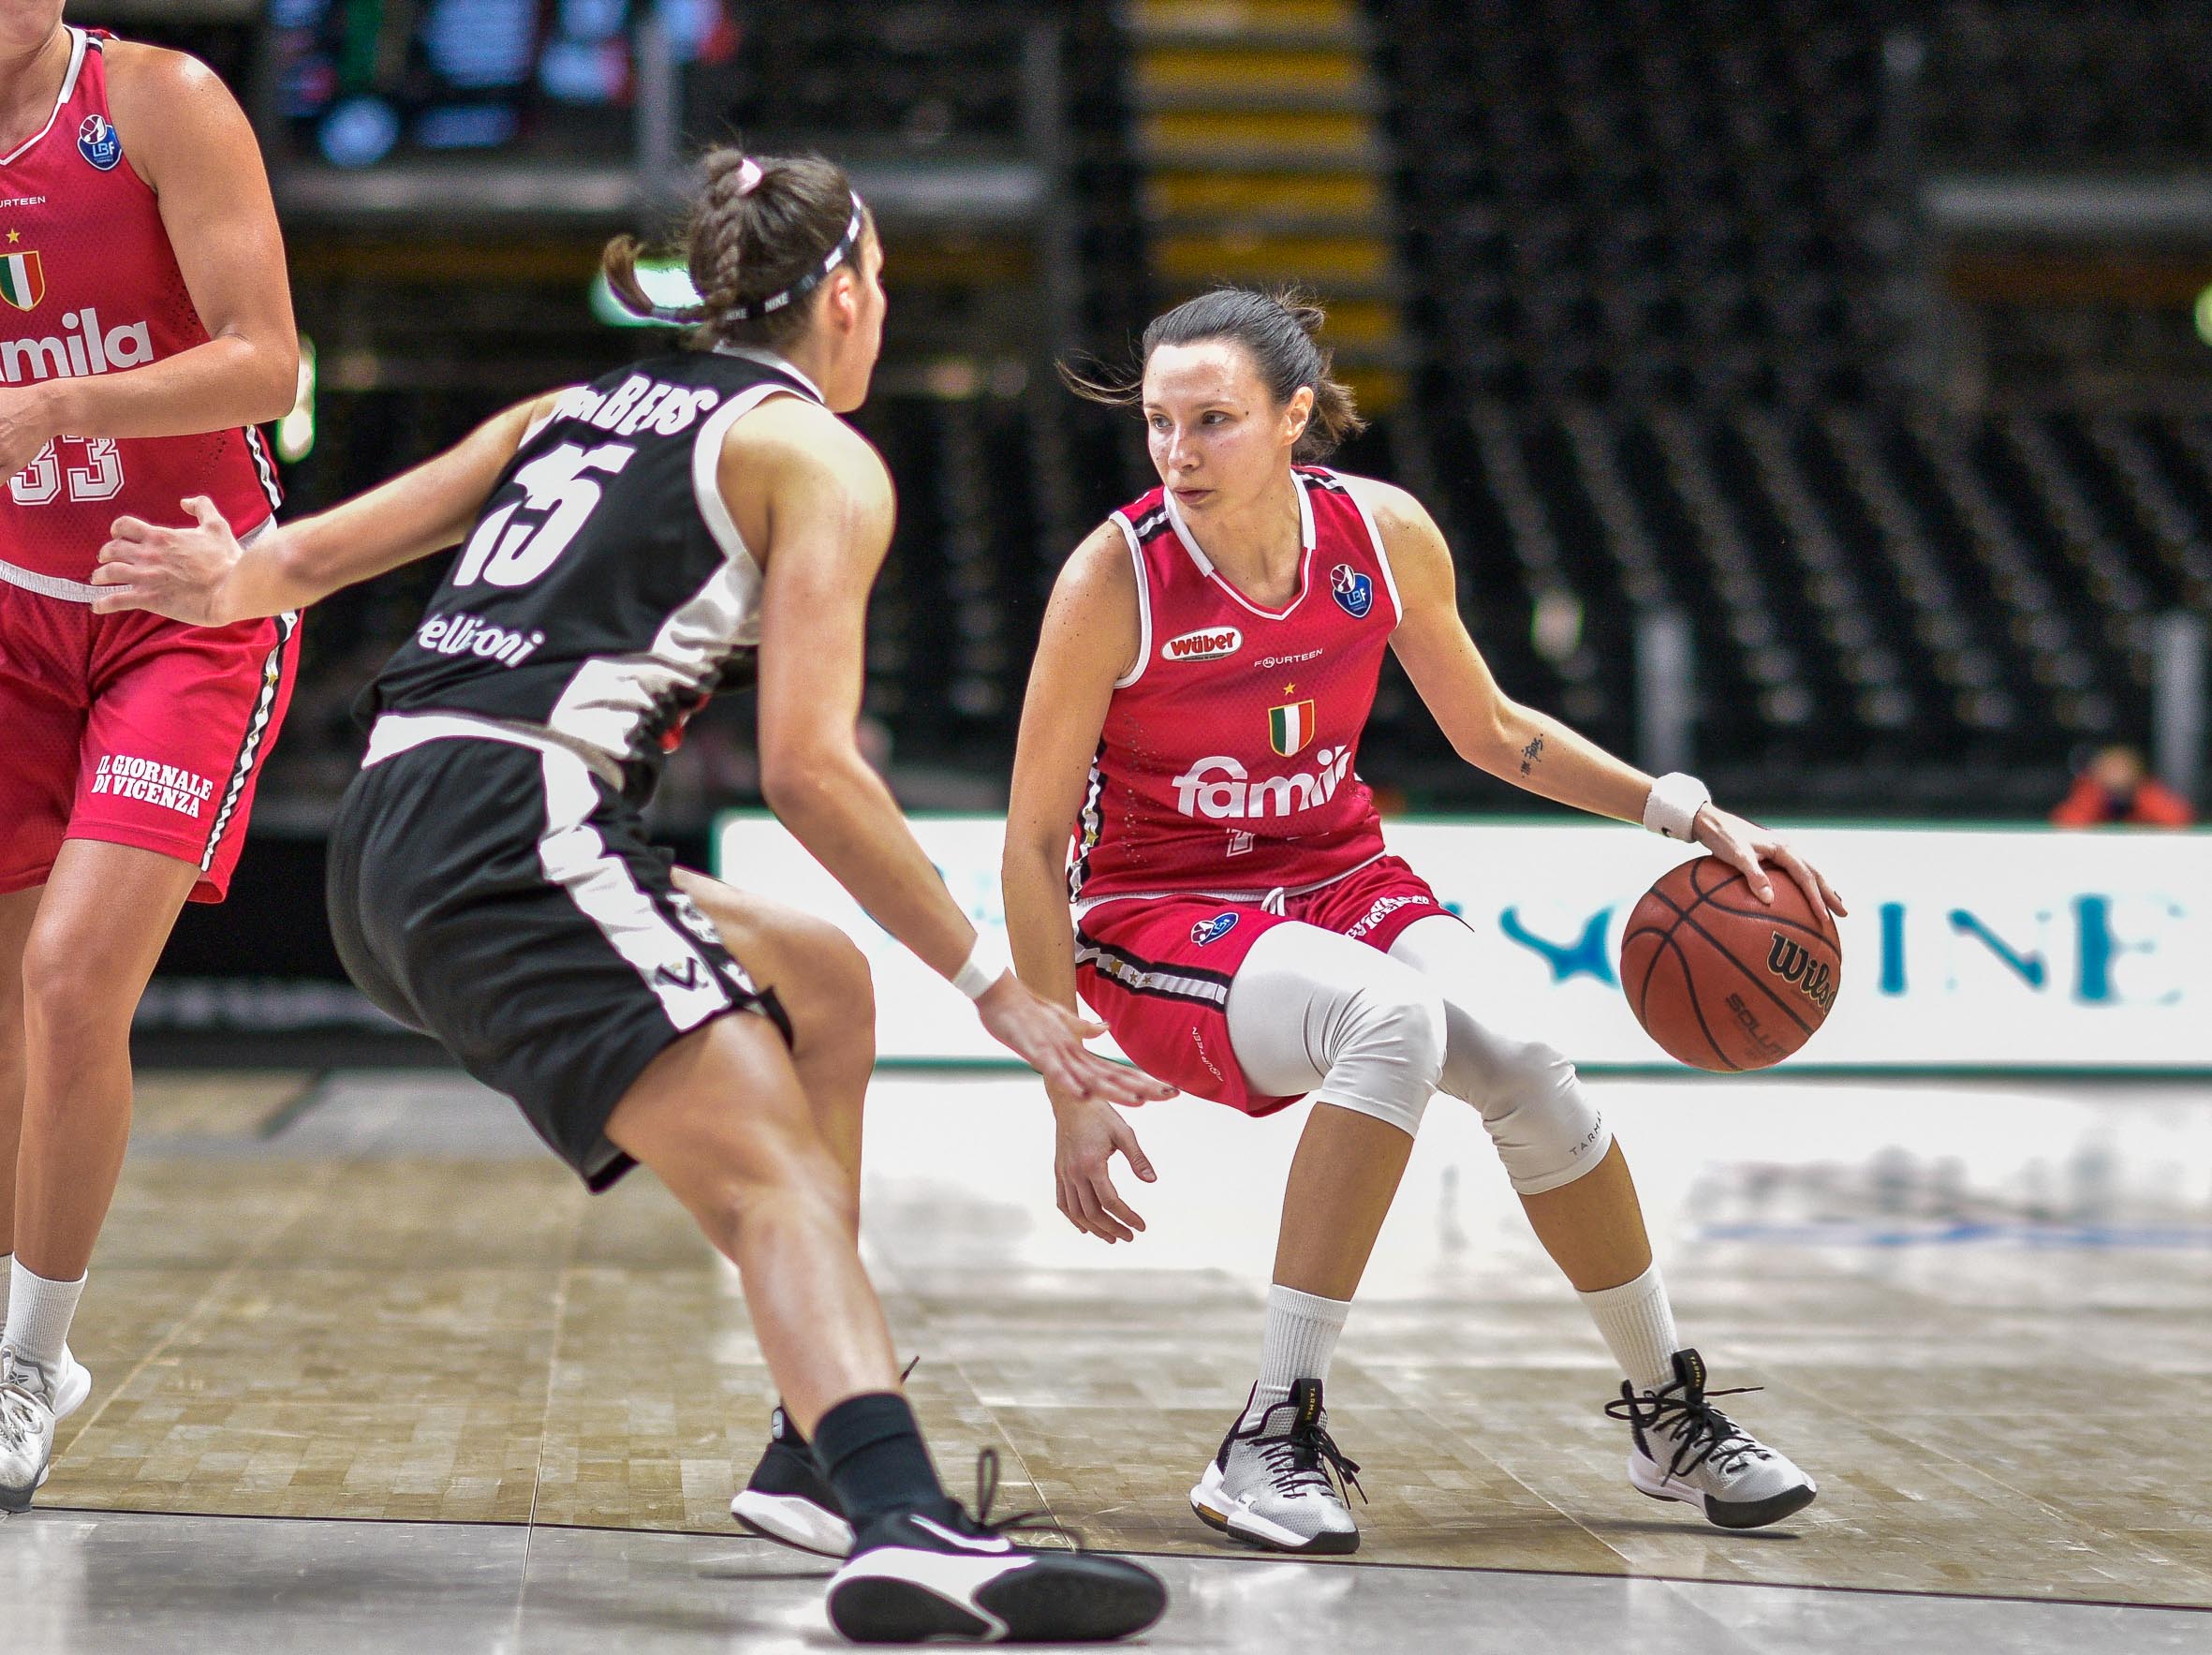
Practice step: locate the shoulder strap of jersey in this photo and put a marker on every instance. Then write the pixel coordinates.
(1140, 522)
(1333, 496)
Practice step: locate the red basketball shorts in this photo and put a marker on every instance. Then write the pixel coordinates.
(1157, 969)
(132, 730)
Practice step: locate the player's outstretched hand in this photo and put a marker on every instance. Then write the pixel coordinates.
(1089, 1135)
(1049, 1039)
(1744, 845)
(175, 571)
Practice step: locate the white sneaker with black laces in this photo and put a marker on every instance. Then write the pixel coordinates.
(28, 1414)
(1280, 1482)
(1686, 1449)
(942, 1576)
(789, 1501)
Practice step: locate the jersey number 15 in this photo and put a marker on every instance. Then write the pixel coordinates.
(522, 539)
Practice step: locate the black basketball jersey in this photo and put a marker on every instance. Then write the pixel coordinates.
(604, 593)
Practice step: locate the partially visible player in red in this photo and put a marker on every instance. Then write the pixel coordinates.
(1207, 668)
(145, 326)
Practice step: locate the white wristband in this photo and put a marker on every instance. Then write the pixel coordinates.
(1672, 811)
(986, 963)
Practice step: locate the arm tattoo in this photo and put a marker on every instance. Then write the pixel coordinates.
(1532, 754)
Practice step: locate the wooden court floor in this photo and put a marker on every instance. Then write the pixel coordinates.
(1981, 1317)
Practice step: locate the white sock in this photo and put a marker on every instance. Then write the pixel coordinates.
(6, 1271)
(39, 1316)
(1638, 1325)
(1299, 1338)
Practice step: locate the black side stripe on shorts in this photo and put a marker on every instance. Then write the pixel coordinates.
(1138, 976)
(249, 746)
(1087, 827)
(264, 467)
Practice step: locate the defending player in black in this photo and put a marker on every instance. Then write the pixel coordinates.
(629, 548)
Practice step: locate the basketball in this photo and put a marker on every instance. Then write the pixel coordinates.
(1723, 980)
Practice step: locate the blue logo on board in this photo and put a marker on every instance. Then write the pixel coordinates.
(1213, 930)
(97, 143)
(1353, 591)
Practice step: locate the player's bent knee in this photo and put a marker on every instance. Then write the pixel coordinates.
(1391, 1053)
(1540, 1118)
(847, 988)
(68, 1000)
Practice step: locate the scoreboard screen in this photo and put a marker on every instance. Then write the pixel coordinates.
(364, 81)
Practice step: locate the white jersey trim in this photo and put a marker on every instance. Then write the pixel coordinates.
(768, 359)
(1205, 564)
(70, 591)
(398, 733)
(609, 695)
(706, 480)
(1129, 533)
(1270, 898)
(30, 579)
(1390, 581)
(79, 41)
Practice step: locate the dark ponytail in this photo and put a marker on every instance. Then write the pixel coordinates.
(760, 239)
(1279, 328)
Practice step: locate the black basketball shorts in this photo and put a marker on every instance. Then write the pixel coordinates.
(497, 893)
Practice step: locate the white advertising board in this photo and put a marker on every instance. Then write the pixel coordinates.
(1974, 949)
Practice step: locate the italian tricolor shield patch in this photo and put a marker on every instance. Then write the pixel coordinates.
(23, 280)
(1289, 729)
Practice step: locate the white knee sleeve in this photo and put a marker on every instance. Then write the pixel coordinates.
(1312, 1011)
(1542, 1122)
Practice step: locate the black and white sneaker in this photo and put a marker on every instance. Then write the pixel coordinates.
(929, 1576)
(1686, 1449)
(788, 1498)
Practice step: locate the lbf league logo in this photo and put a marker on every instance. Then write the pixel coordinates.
(1353, 591)
(1213, 930)
(23, 280)
(97, 143)
(1289, 729)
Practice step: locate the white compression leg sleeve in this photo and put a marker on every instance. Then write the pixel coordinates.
(1546, 1130)
(1313, 1012)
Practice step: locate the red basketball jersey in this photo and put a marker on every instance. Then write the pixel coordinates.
(89, 285)
(1226, 761)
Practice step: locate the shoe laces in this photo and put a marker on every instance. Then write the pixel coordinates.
(1031, 1521)
(1304, 1460)
(1681, 1413)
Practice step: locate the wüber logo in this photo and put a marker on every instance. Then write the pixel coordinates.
(1213, 930)
(1221, 788)
(1792, 964)
(1209, 646)
(72, 355)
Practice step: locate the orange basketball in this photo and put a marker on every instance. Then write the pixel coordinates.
(1722, 980)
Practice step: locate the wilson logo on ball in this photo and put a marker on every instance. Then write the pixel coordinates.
(1790, 961)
